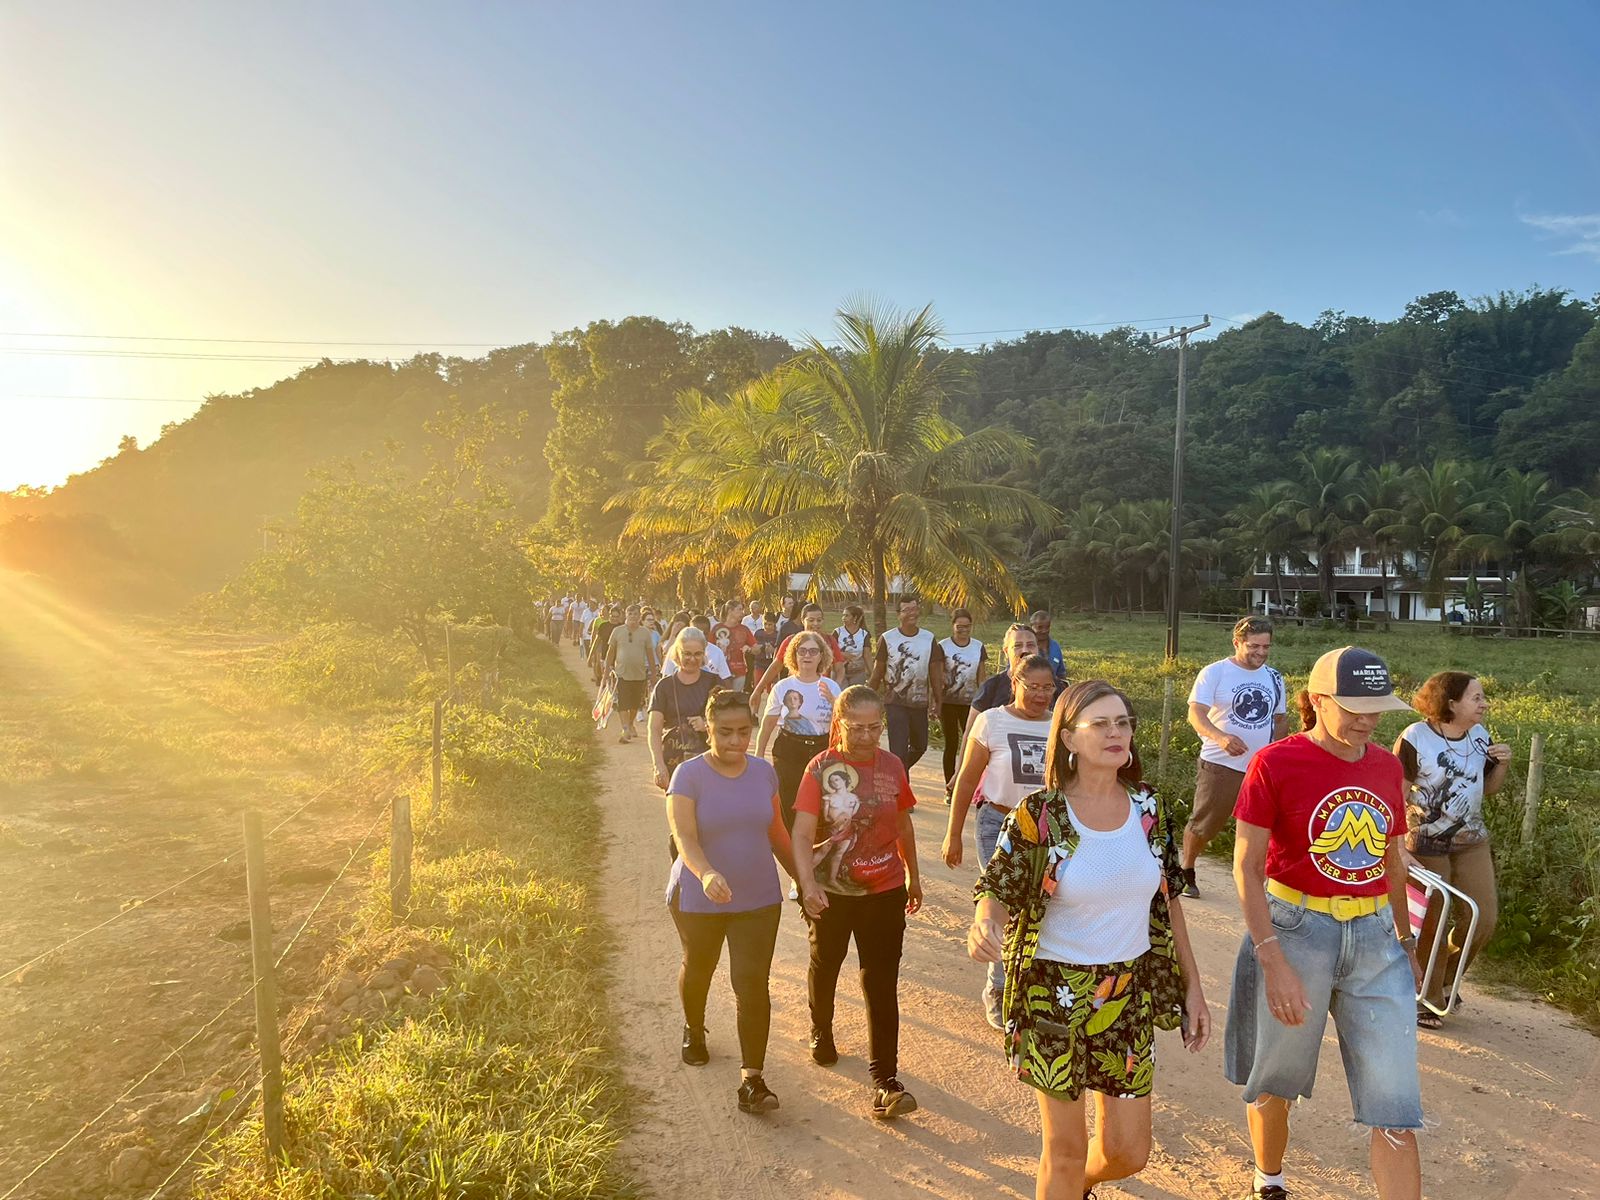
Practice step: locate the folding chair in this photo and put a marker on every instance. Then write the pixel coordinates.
(1422, 888)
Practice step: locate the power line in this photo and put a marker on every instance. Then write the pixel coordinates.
(146, 337)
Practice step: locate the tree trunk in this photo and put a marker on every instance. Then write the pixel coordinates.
(880, 590)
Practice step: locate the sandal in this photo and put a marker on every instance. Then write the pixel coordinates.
(1428, 1019)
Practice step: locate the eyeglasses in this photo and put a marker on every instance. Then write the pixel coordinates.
(873, 729)
(1039, 689)
(1106, 725)
(799, 650)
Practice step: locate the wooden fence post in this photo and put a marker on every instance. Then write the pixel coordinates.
(400, 857)
(450, 660)
(1530, 804)
(438, 759)
(255, 859)
(1166, 728)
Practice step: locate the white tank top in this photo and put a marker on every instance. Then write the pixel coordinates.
(1100, 912)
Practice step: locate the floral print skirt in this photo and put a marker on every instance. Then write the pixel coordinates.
(1087, 1028)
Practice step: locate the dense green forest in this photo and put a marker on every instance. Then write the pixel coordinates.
(1511, 381)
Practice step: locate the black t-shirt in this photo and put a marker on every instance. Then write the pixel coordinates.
(759, 656)
(998, 691)
(678, 703)
(787, 629)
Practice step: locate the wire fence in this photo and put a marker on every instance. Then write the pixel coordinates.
(242, 1095)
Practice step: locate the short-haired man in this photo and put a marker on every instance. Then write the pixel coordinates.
(1237, 705)
(1040, 621)
(752, 619)
(908, 672)
(631, 655)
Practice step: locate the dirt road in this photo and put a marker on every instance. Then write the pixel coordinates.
(1513, 1085)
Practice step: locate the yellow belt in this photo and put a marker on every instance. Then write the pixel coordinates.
(1340, 908)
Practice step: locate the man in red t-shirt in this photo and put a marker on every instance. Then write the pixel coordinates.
(853, 818)
(1322, 819)
(734, 638)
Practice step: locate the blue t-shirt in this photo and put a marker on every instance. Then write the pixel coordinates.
(1056, 661)
(733, 816)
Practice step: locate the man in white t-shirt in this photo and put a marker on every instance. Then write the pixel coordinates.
(1237, 706)
(752, 619)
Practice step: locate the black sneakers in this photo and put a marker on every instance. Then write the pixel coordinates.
(891, 1100)
(1190, 891)
(755, 1096)
(1271, 1192)
(694, 1046)
(823, 1051)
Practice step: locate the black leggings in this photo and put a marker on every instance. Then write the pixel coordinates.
(751, 937)
(953, 724)
(791, 755)
(878, 922)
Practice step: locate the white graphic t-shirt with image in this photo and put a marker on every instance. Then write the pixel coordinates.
(908, 661)
(1240, 702)
(961, 670)
(803, 708)
(1016, 748)
(1445, 808)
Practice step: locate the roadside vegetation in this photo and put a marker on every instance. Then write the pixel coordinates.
(499, 1083)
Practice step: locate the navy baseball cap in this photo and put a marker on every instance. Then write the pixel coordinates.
(1357, 679)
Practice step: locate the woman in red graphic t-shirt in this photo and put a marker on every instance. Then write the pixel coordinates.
(1321, 821)
(852, 816)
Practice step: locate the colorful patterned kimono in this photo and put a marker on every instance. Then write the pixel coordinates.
(1035, 844)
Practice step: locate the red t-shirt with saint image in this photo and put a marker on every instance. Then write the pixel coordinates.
(1330, 820)
(857, 804)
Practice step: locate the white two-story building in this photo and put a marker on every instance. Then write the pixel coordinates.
(1367, 585)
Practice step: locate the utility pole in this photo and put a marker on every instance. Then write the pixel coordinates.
(1182, 336)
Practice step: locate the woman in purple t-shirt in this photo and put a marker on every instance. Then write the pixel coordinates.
(724, 811)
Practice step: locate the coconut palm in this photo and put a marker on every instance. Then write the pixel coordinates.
(1319, 501)
(1520, 522)
(1436, 518)
(845, 464)
(1259, 526)
(1379, 499)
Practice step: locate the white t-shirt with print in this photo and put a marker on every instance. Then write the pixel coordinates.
(1444, 809)
(1016, 748)
(909, 660)
(1241, 702)
(961, 665)
(803, 708)
(854, 648)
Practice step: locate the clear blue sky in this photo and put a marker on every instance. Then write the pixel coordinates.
(424, 174)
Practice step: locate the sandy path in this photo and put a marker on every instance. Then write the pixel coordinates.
(1513, 1085)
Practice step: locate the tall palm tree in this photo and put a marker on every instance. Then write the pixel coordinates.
(1379, 499)
(849, 468)
(1319, 501)
(702, 439)
(1521, 521)
(1259, 526)
(1435, 519)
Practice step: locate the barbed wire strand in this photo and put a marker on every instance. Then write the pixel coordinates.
(129, 1090)
(136, 905)
(229, 1007)
(245, 1095)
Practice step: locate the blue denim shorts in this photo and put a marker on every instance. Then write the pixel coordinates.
(1355, 970)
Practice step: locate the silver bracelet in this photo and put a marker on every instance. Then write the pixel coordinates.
(1256, 946)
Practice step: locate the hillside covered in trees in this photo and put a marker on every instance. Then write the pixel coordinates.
(1509, 382)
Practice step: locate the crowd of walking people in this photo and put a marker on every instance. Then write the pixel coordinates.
(1083, 867)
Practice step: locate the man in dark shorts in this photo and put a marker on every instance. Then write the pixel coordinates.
(1237, 706)
(632, 658)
